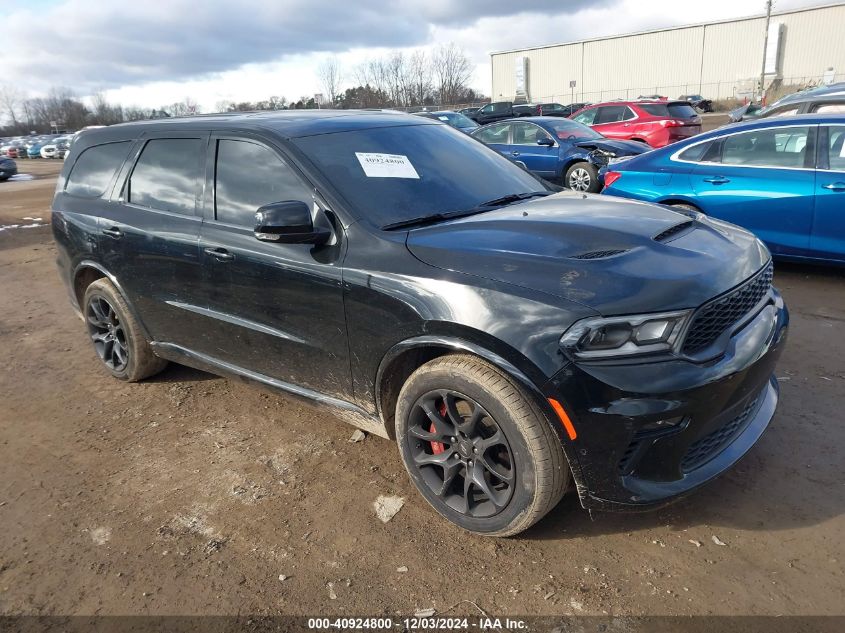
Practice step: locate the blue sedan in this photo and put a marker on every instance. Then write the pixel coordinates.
(558, 149)
(781, 178)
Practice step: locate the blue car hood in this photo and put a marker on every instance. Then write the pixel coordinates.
(555, 245)
(620, 148)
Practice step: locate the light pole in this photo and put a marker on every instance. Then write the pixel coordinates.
(765, 47)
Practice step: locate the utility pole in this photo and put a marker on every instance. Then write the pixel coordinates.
(765, 50)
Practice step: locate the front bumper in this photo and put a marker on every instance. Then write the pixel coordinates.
(651, 432)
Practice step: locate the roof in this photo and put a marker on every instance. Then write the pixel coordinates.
(671, 28)
(797, 119)
(287, 123)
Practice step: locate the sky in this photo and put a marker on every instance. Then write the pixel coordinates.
(155, 52)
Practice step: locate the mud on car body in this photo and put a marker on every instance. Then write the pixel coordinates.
(511, 340)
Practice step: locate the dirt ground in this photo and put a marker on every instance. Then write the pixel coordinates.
(191, 494)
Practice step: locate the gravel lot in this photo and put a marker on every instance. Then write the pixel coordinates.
(192, 494)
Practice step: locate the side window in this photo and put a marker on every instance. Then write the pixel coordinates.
(501, 106)
(694, 153)
(836, 147)
(587, 117)
(773, 147)
(248, 176)
(628, 114)
(494, 134)
(527, 133)
(487, 109)
(829, 108)
(610, 114)
(167, 175)
(784, 112)
(94, 169)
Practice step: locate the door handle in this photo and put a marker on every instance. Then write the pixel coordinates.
(514, 153)
(835, 186)
(717, 180)
(220, 254)
(114, 232)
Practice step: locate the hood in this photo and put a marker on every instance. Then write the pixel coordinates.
(616, 256)
(618, 148)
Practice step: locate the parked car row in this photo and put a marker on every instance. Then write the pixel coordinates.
(822, 100)
(41, 146)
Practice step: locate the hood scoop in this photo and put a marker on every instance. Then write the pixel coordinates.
(599, 254)
(673, 231)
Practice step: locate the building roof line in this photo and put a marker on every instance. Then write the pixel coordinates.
(670, 28)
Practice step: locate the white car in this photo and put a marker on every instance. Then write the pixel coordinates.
(48, 151)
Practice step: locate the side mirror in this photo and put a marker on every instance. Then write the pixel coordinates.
(545, 141)
(288, 222)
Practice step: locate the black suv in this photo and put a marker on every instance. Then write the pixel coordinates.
(512, 340)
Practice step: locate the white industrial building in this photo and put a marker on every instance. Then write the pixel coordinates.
(718, 60)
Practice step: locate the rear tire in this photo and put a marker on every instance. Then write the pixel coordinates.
(582, 177)
(684, 205)
(477, 447)
(117, 337)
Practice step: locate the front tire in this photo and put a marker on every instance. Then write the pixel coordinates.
(477, 447)
(117, 337)
(582, 177)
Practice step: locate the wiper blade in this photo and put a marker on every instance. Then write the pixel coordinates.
(511, 198)
(485, 206)
(422, 220)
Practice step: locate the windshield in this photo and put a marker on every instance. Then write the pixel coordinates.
(567, 129)
(455, 119)
(432, 169)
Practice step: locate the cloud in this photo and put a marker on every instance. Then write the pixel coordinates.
(90, 46)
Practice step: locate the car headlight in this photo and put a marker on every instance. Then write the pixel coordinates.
(598, 337)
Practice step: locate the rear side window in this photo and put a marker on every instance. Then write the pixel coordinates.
(669, 110)
(494, 134)
(588, 117)
(167, 175)
(836, 147)
(773, 147)
(694, 153)
(248, 176)
(830, 108)
(94, 169)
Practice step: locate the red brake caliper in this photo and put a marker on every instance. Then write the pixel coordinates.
(438, 447)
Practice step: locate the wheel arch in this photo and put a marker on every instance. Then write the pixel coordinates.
(407, 356)
(670, 200)
(85, 273)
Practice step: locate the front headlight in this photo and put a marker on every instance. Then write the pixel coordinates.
(596, 338)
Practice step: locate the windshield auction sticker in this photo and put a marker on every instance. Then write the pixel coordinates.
(386, 165)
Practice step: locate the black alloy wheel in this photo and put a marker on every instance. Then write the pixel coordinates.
(461, 453)
(107, 333)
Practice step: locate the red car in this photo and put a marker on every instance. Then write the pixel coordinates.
(657, 123)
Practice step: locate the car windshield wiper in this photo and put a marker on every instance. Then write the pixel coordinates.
(451, 215)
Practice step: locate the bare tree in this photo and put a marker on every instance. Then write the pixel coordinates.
(419, 78)
(452, 71)
(330, 76)
(10, 100)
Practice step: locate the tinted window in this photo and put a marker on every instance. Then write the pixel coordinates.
(527, 133)
(774, 147)
(249, 176)
(587, 117)
(94, 169)
(552, 107)
(830, 108)
(493, 134)
(836, 147)
(501, 106)
(167, 175)
(784, 112)
(694, 153)
(669, 110)
(612, 114)
(435, 169)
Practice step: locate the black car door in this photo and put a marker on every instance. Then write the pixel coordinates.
(149, 236)
(273, 309)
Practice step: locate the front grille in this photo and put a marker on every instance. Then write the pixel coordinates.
(713, 318)
(598, 254)
(703, 449)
